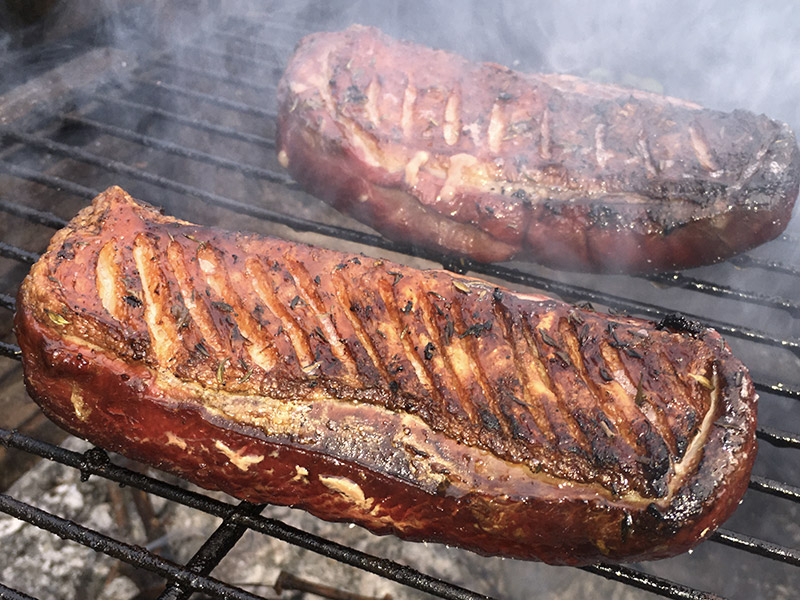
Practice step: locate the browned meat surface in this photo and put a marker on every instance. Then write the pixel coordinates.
(420, 403)
(479, 160)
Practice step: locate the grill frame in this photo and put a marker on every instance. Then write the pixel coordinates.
(35, 131)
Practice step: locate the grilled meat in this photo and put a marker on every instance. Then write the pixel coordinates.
(479, 160)
(420, 403)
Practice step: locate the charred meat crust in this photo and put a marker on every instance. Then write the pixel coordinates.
(479, 160)
(419, 403)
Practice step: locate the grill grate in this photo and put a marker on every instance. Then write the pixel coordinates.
(68, 149)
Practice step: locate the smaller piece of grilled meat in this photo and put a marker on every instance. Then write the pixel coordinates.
(420, 403)
(482, 161)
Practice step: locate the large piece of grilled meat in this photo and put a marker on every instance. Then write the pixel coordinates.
(482, 161)
(420, 403)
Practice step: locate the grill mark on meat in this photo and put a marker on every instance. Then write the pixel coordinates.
(303, 282)
(562, 424)
(701, 149)
(530, 393)
(194, 301)
(371, 105)
(473, 353)
(609, 417)
(259, 346)
(687, 413)
(753, 166)
(407, 116)
(451, 129)
(264, 287)
(647, 158)
(165, 343)
(443, 359)
(638, 407)
(403, 339)
(468, 370)
(660, 406)
(495, 128)
(110, 287)
(602, 155)
(413, 166)
(455, 174)
(546, 141)
(344, 298)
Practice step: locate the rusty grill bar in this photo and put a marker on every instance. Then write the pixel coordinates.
(29, 143)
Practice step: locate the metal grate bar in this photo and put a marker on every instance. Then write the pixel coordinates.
(210, 98)
(6, 593)
(171, 63)
(128, 553)
(31, 214)
(232, 57)
(212, 551)
(724, 291)
(49, 180)
(9, 251)
(777, 437)
(746, 261)
(188, 121)
(178, 150)
(778, 389)
(239, 39)
(757, 546)
(776, 488)
(10, 351)
(650, 583)
(8, 302)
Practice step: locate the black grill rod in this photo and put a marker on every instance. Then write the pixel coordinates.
(96, 462)
(210, 98)
(745, 261)
(33, 215)
(178, 150)
(8, 302)
(570, 292)
(185, 120)
(268, 24)
(245, 23)
(778, 437)
(213, 550)
(724, 291)
(757, 546)
(10, 351)
(778, 389)
(170, 62)
(775, 488)
(6, 593)
(9, 251)
(190, 49)
(650, 583)
(134, 555)
(50, 181)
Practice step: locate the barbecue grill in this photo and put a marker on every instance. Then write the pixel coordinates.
(189, 125)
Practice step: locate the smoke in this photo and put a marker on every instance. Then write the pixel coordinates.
(724, 55)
